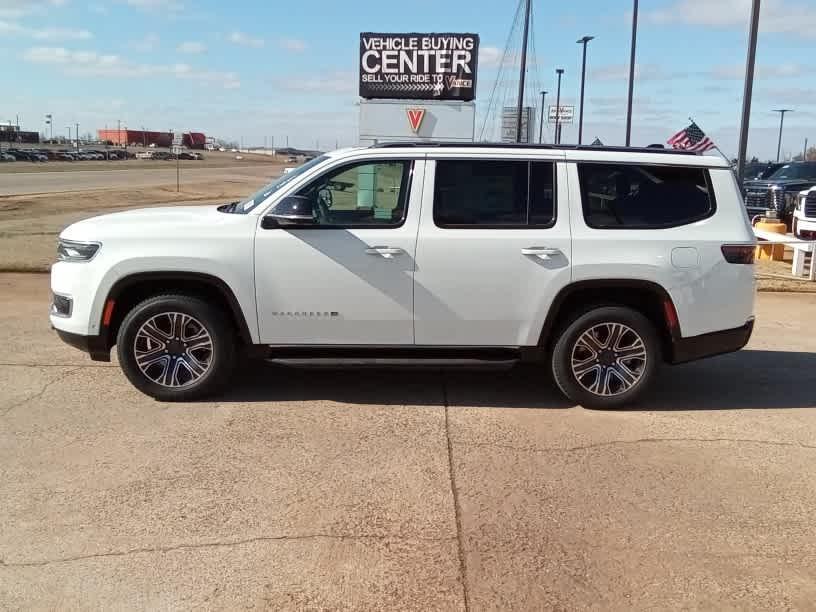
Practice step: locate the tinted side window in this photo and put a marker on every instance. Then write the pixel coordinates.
(487, 193)
(643, 196)
(368, 194)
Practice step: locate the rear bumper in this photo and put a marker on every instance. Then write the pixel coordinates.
(96, 346)
(709, 345)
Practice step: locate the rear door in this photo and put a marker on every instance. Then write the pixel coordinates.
(493, 251)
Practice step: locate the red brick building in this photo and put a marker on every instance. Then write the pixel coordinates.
(191, 140)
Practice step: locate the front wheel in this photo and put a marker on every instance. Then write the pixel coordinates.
(606, 358)
(176, 348)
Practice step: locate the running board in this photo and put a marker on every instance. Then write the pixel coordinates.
(388, 362)
(397, 357)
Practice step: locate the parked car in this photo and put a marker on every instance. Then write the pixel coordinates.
(7, 157)
(66, 157)
(145, 155)
(760, 170)
(804, 215)
(598, 265)
(780, 190)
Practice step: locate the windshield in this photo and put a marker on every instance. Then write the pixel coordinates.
(795, 171)
(267, 190)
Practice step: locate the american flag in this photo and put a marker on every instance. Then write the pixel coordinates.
(691, 139)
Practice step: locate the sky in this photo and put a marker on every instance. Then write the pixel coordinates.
(254, 70)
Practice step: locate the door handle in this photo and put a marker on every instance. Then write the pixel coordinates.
(541, 252)
(385, 251)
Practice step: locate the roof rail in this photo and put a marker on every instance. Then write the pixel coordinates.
(513, 145)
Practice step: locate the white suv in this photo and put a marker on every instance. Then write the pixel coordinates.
(600, 263)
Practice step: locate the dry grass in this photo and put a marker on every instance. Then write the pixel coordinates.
(29, 224)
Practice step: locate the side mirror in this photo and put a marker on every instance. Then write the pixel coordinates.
(293, 210)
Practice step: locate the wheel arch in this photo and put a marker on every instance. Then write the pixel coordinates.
(647, 297)
(134, 288)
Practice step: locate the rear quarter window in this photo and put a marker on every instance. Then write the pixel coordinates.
(640, 196)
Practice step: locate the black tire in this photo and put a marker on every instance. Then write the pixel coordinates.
(221, 356)
(567, 343)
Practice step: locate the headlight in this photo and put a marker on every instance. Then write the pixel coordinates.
(70, 250)
(800, 202)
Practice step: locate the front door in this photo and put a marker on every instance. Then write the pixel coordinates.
(347, 278)
(494, 250)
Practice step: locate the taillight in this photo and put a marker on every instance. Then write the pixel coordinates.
(739, 253)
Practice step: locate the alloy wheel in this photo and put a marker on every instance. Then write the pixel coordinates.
(608, 359)
(173, 349)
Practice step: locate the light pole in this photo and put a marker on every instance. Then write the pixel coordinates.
(541, 123)
(748, 92)
(582, 41)
(559, 72)
(68, 127)
(144, 137)
(781, 112)
(76, 136)
(632, 74)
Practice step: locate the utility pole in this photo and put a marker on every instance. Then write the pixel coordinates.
(632, 73)
(541, 123)
(559, 71)
(119, 132)
(144, 137)
(748, 92)
(583, 41)
(804, 155)
(781, 112)
(523, 73)
(77, 137)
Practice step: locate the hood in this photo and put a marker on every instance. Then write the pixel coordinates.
(765, 184)
(161, 222)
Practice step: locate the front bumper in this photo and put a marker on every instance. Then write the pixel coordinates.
(709, 345)
(96, 346)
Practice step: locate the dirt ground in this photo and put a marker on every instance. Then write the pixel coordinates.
(29, 224)
(407, 490)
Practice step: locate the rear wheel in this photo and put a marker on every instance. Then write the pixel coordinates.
(606, 357)
(176, 348)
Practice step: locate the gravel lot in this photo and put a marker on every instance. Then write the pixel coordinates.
(407, 489)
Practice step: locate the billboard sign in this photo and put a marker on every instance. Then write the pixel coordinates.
(567, 114)
(418, 66)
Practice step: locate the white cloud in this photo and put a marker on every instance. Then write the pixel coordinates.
(490, 57)
(14, 9)
(295, 45)
(337, 83)
(776, 16)
(763, 71)
(191, 47)
(10, 28)
(146, 44)
(245, 40)
(154, 5)
(643, 72)
(93, 64)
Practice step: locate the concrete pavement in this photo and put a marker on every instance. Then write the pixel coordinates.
(420, 490)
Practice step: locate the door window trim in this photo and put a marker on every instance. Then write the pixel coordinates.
(515, 227)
